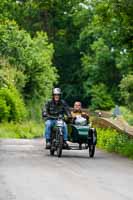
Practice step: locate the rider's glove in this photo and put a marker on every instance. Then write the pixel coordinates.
(44, 114)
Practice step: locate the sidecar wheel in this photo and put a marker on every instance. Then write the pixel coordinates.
(91, 151)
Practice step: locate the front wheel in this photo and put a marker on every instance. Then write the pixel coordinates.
(52, 150)
(60, 146)
(91, 151)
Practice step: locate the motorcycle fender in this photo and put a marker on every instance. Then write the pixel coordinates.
(92, 137)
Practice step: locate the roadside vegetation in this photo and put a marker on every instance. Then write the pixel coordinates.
(127, 115)
(112, 141)
(27, 130)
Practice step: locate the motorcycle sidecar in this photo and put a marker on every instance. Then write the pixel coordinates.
(85, 136)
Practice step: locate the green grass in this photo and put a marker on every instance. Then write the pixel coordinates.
(29, 130)
(112, 141)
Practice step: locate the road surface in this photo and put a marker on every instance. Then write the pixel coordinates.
(28, 172)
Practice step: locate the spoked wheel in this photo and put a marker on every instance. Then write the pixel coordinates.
(60, 146)
(52, 150)
(91, 151)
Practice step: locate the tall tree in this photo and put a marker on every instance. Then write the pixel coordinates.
(32, 57)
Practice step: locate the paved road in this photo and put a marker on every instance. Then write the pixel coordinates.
(27, 172)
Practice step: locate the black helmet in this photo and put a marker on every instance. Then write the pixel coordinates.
(57, 91)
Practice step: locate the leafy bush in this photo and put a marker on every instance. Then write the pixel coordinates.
(29, 129)
(34, 108)
(31, 58)
(126, 88)
(101, 99)
(127, 114)
(4, 110)
(12, 107)
(10, 75)
(113, 141)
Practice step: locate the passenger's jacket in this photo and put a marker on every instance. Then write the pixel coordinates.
(75, 113)
(55, 109)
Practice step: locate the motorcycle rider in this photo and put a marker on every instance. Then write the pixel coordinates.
(53, 108)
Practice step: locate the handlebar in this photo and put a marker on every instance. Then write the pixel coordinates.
(56, 118)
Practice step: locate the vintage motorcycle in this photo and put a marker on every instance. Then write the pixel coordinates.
(81, 134)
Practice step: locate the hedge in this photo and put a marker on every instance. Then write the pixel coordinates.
(12, 107)
(113, 141)
(27, 130)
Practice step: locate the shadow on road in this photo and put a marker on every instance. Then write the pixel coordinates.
(79, 156)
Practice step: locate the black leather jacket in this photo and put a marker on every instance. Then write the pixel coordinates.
(55, 109)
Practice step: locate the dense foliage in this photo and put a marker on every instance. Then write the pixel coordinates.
(26, 65)
(100, 97)
(127, 115)
(11, 105)
(90, 44)
(113, 141)
(126, 87)
(30, 56)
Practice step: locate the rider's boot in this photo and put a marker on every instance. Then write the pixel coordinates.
(48, 144)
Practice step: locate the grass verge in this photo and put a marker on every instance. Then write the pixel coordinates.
(112, 141)
(29, 130)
